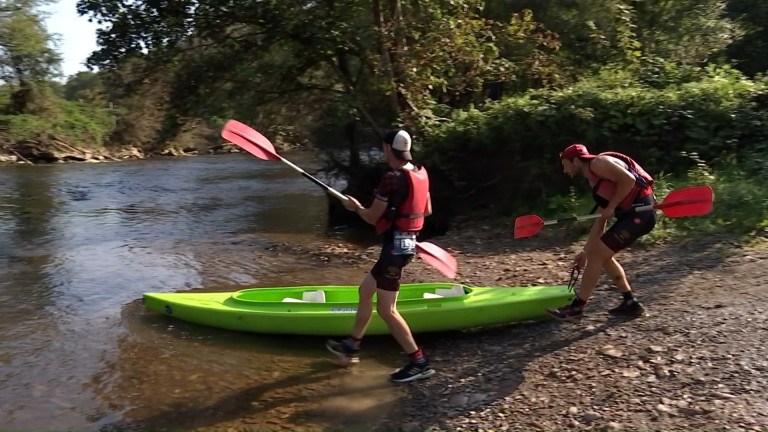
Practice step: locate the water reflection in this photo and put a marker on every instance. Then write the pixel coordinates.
(80, 243)
(26, 291)
(169, 374)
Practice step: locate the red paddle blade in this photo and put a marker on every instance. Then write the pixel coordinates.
(249, 140)
(527, 226)
(438, 258)
(690, 201)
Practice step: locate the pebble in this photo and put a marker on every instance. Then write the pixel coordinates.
(611, 427)
(459, 400)
(610, 351)
(590, 416)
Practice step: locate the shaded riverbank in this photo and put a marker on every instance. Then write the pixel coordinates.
(52, 149)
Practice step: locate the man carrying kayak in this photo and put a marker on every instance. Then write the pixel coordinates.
(400, 204)
(618, 183)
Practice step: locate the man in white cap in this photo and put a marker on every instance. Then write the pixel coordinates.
(398, 210)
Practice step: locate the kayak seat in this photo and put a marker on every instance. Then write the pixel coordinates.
(430, 295)
(454, 291)
(308, 296)
(314, 296)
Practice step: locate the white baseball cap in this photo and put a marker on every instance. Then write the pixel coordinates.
(400, 141)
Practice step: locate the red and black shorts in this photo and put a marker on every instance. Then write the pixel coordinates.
(389, 268)
(631, 226)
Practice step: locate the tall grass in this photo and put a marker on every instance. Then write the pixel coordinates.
(740, 206)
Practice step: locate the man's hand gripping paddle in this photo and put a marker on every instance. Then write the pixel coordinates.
(690, 201)
(258, 145)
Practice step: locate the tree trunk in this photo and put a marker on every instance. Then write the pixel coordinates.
(386, 60)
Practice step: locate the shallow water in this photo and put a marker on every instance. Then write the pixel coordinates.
(81, 243)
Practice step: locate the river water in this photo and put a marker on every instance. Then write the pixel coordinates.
(81, 243)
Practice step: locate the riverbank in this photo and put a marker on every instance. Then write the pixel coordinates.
(694, 362)
(52, 149)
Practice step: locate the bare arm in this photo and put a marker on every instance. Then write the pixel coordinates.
(371, 214)
(428, 210)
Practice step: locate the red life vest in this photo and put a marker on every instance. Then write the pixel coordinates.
(604, 189)
(409, 215)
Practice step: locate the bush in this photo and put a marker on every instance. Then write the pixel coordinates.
(507, 152)
(80, 124)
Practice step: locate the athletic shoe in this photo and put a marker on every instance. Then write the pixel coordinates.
(413, 371)
(628, 308)
(344, 350)
(566, 313)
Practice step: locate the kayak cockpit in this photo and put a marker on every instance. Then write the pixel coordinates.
(346, 294)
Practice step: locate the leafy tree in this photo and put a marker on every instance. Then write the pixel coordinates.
(27, 57)
(595, 33)
(381, 58)
(83, 85)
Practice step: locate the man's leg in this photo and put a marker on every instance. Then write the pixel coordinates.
(616, 272)
(629, 306)
(364, 306)
(418, 365)
(623, 233)
(386, 306)
(597, 256)
(348, 350)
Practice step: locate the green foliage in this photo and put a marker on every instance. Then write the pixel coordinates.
(27, 57)
(75, 122)
(740, 205)
(86, 86)
(514, 143)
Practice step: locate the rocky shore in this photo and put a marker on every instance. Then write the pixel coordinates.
(52, 149)
(697, 361)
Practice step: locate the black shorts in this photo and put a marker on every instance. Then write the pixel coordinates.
(389, 268)
(631, 226)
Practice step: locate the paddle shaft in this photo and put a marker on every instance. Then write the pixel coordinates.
(637, 209)
(311, 178)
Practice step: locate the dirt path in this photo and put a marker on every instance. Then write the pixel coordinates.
(697, 361)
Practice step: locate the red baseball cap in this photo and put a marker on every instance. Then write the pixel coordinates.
(574, 151)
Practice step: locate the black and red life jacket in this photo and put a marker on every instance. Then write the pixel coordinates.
(408, 216)
(604, 189)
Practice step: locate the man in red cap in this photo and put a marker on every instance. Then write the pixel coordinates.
(618, 184)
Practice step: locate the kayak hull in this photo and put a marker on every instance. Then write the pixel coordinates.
(330, 310)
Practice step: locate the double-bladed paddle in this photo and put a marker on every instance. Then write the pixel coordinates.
(690, 201)
(258, 145)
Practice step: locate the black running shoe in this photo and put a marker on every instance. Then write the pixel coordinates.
(346, 353)
(629, 309)
(413, 371)
(566, 313)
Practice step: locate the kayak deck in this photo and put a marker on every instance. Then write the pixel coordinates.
(330, 310)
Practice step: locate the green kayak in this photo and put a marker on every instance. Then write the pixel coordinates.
(330, 310)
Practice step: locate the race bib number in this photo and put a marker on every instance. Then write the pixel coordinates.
(405, 243)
